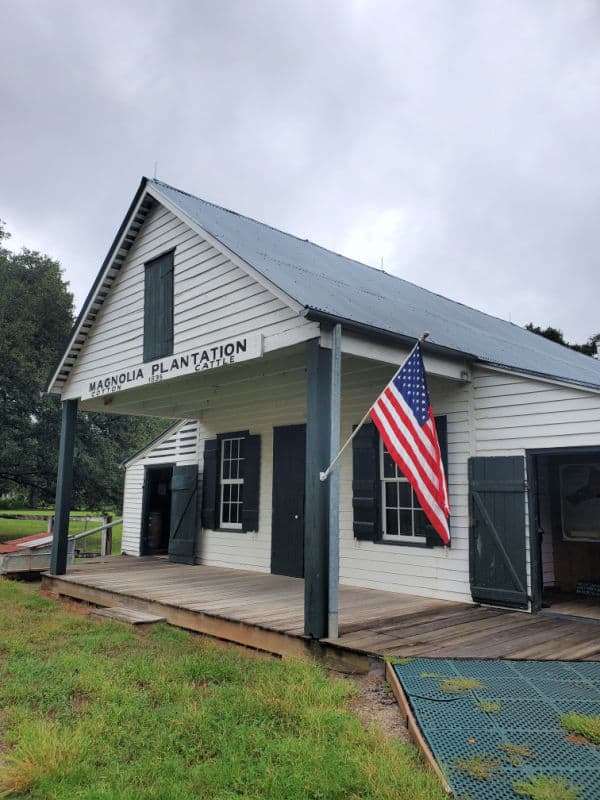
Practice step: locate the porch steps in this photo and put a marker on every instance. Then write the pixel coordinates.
(127, 616)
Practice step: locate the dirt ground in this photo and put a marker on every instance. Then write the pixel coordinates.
(376, 703)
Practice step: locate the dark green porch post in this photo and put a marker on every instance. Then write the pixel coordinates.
(64, 484)
(316, 505)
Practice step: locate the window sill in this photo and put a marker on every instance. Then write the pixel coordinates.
(425, 545)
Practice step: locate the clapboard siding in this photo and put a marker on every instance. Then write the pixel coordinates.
(279, 399)
(258, 402)
(513, 414)
(214, 299)
(179, 446)
(439, 572)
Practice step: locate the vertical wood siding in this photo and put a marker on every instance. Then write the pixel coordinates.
(213, 300)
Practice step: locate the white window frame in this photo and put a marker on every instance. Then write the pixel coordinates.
(415, 506)
(224, 525)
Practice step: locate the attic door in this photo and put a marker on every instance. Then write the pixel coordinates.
(497, 550)
(184, 507)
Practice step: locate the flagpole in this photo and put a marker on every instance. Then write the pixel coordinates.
(324, 475)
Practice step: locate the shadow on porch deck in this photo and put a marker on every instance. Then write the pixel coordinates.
(266, 612)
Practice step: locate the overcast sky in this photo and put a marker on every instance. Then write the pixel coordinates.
(459, 142)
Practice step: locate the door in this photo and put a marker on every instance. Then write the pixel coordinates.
(156, 509)
(287, 531)
(497, 550)
(184, 509)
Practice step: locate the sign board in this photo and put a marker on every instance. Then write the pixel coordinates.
(223, 354)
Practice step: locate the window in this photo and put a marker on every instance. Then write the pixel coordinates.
(158, 307)
(402, 517)
(231, 483)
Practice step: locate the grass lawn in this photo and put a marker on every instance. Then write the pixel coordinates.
(96, 711)
(15, 528)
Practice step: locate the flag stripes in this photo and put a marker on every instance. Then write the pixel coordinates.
(404, 419)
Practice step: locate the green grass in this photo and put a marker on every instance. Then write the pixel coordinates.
(15, 528)
(543, 787)
(459, 685)
(96, 711)
(481, 767)
(583, 725)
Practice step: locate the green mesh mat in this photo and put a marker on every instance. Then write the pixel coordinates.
(528, 699)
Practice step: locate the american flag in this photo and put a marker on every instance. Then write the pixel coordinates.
(404, 418)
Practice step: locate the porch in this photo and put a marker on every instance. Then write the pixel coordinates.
(266, 612)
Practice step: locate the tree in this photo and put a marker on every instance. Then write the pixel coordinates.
(36, 316)
(556, 335)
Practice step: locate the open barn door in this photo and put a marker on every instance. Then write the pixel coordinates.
(497, 550)
(184, 508)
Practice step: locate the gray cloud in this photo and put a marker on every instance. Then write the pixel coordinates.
(457, 141)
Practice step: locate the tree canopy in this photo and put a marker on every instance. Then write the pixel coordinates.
(556, 335)
(36, 317)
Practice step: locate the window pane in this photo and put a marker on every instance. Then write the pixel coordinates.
(405, 492)
(389, 468)
(391, 522)
(415, 501)
(421, 523)
(391, 495)
(406, 523)
(241, 492)
(226, 448)
(226, 512)
(240, 448)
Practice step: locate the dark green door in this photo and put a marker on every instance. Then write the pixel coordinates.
(287, 533)
(497, 548)
(184, 507)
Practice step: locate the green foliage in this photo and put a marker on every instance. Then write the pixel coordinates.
(583, 725)
(556, 335)
(36, 317)
(97, 710)
(543, 787)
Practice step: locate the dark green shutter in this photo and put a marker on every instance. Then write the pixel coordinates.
(210, 484)
(366, 488)
(497, 548)
(251, 475)
(441, 426)
(184, 499)
(158, 307)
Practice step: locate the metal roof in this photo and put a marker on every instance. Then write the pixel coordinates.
(338, 287)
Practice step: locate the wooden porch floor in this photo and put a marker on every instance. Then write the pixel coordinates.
(266, 611)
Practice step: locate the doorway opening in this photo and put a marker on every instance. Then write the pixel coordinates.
(565, 526)
(156, 510)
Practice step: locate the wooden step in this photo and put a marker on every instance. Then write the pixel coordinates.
(128, 616)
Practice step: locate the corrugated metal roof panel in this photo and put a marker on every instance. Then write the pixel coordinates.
(338, 286)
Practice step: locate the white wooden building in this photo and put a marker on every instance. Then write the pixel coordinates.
(206, 316)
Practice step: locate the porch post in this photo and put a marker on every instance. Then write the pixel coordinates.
(316, 514)
(334, 483)
(64, 483)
